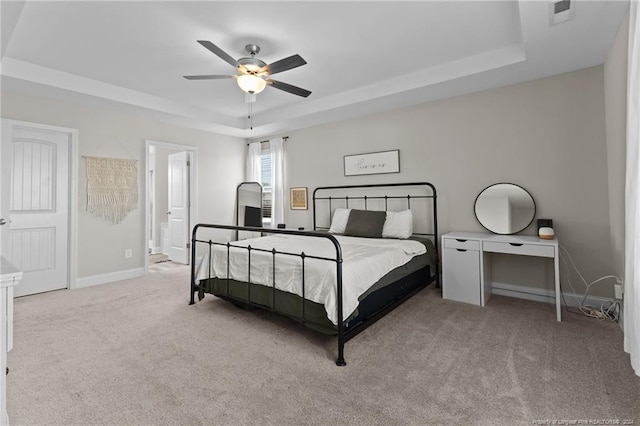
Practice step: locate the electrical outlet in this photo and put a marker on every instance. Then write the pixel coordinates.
(128, 253)
(617, 290)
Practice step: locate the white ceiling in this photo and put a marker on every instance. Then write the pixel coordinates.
(362, 57)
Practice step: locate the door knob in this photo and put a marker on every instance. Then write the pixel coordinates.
(168, 212)
(3, 222)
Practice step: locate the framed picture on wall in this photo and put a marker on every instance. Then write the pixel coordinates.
(372, 163)
(299, 198)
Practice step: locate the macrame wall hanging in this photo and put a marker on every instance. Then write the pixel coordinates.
(112, 187)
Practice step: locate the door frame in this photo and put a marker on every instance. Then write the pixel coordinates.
(72, 234)
(193, 189)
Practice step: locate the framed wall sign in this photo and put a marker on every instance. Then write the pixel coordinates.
(299, 198)
(372, 163)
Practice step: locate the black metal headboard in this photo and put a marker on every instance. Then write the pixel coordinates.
(377, 197)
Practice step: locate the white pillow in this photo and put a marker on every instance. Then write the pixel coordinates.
(398, 225)
(339, 221)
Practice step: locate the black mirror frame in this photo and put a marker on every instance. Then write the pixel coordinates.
(505, 183)
(238, 199)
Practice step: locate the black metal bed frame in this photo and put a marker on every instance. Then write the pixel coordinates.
(344, 333)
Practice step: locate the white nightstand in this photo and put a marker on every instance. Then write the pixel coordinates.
(466, 271)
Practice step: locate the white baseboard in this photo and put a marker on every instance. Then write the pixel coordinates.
(109, 277)
(544, 295)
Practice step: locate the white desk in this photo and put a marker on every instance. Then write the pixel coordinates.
(466, 268)
(9, 277)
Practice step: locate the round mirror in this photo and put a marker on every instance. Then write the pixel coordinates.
(505, 208)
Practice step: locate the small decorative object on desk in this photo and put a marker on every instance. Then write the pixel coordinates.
(545, 229)
(546, 233)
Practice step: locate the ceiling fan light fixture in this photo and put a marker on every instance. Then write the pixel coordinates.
(251, 84)
(253, 73)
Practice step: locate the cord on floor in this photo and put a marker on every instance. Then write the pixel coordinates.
(609, 310)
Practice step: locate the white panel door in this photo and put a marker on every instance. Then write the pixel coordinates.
(5, 188)
(36, 169)
(178, 214)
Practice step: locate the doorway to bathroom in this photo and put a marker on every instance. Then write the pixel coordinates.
(170, 201)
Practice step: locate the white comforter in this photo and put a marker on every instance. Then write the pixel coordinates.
(365, 261)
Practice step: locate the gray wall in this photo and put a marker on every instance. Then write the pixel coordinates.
(615, 84)
(101, 244)
(546, 135)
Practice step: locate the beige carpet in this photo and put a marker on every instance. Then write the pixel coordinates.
(162, 267)
(135, 353)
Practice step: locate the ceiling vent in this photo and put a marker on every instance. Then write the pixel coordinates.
(561, 11)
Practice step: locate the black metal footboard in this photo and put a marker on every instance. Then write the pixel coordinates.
(195, 286)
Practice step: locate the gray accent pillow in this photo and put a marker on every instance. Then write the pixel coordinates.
(365, 223)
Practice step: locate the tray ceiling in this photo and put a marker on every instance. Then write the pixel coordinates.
(362, 57)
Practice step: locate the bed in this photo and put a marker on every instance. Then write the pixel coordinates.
(372, 247)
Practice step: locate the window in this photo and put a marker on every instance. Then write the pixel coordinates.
(265, 166)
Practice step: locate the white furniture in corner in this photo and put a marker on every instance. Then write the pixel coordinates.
(466, 266)
(9, 277)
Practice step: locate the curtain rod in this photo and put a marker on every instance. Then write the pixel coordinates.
(284, 138)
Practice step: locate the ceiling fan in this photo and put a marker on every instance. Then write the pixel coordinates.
(253, 74)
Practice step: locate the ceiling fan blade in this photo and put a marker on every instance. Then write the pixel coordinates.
(206, 77)
(285, 64)
(219, 52)
(289, 88)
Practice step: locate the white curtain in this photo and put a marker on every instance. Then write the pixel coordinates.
(277, 181)
(632, 196)
(254, 170)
